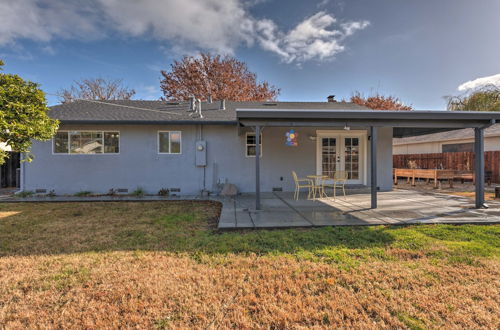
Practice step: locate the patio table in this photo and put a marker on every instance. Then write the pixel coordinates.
(318, 187)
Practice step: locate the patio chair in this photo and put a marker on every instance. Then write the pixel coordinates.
(301, 183)
(339, 180)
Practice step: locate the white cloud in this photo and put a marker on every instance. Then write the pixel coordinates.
(215, 25)
(43, 20)
(493, 80)
(313, 38)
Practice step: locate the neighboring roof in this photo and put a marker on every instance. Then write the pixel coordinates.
(459, 134)
(158, 112)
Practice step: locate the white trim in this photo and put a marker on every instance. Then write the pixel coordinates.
(340, 135)
(88, 130)
(246, 145)
(169, 141)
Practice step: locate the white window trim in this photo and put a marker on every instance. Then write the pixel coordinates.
(363, 134)
(87, 130)
(246, 145)
(169, 141)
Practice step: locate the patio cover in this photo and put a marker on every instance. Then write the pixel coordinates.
(404, 124)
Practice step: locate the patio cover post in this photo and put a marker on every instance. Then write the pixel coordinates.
(257, 167)
(373, 166)
(479, 165)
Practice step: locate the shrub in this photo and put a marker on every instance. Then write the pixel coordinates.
(138, 192)
(24, 194)
(83, 193)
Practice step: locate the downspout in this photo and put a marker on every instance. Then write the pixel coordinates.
(204, 167)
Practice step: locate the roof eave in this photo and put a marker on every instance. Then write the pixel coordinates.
(147, 122)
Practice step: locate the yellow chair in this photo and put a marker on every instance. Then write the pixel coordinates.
(339, 179)
(301, 183)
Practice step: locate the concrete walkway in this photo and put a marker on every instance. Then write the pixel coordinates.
(396, 208)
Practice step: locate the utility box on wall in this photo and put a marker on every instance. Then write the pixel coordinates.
(201, 153)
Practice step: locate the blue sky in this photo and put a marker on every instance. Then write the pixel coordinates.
(419, 51)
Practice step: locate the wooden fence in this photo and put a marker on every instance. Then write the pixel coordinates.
(462, 161)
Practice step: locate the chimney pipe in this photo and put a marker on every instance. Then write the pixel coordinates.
(331, 98)
(222, 104)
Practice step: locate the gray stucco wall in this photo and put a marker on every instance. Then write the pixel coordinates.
(139, 165)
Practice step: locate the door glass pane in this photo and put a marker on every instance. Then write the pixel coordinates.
(328, 156)
(351, 156)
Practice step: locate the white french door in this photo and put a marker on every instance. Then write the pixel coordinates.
(342, 151)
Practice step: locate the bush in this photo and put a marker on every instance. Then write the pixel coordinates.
(83, 193)
(24, 194)
(139, 192)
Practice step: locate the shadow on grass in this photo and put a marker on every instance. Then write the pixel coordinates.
(189, 227)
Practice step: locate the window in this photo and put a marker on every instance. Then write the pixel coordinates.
(169, 142)
(252, 146)
(457, 147)
(86, 142)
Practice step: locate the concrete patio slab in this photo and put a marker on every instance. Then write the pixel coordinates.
(399, 207)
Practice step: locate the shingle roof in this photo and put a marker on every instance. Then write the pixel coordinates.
(466, 133)
(140, 111)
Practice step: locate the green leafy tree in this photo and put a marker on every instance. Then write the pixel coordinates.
(483, 99)
(23, 114)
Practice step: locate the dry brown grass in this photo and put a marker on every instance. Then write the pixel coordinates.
(147, 265)
(489, 196)
(127, 289)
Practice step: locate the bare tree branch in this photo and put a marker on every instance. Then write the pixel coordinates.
(96, 89)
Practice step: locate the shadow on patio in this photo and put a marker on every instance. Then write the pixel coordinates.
(280, 210)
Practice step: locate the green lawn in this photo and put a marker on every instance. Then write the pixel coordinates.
(163, 264)
(52, 228)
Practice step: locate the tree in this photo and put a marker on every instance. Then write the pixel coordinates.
(483, 99)
(96, 89)
(379, 102)
(214, 76)
(23, 114)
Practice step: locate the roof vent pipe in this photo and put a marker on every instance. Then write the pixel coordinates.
(331, 98)
(209, 99)
(222, 104)
(192, 101)
(198, 108)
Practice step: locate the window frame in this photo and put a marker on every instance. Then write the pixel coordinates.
(169, 141)
(255, 145)
(86, 130)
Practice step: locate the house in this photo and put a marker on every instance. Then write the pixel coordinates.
(451, 141)
(190, 147)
